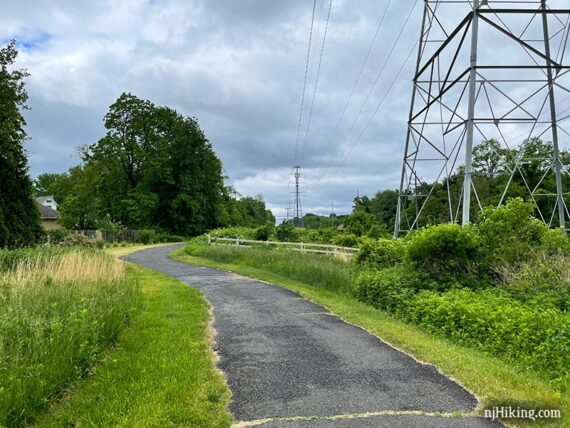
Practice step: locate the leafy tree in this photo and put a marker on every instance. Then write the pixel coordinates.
(19, 217)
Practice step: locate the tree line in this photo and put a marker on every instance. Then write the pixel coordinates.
(153, 169)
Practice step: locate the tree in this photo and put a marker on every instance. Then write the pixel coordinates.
(19, 216)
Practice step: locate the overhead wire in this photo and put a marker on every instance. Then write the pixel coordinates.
(305, 81)
(361, 70)
(316, 83)
(373, 86)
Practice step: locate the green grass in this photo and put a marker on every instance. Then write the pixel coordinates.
(58, 311)
(494, 381)
(161, 373)
(319, 270)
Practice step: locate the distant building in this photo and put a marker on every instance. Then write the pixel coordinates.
(48, 212)
(47, 201)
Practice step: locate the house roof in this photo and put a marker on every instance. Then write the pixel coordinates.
(47, 212)
(43, 199)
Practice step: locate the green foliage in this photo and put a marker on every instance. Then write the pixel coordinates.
(346, 240)
(487, 319)
(379, 253)
(55, 236)
(316, 269)
(263, 233)
(286, 232)
(148, 237)
(359, 222)
(446, 249)
(19, 216)
(499, 325)
(78, 240)
(509, 232)
(161, 373)
(234, 232)
(389, 289)
(57, 313)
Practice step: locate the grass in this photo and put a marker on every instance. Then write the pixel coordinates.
(161, 371)
(58, 311)
(319, 270)
(494, 381)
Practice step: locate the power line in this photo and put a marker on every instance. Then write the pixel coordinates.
(373, 114)
(316, 83)
(369, 51)
(305, 80)
(378, 76)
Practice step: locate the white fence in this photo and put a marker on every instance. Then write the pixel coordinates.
(303, 247)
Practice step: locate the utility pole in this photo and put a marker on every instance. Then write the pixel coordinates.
(332, 214)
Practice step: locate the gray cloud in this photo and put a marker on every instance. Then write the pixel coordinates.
(238, 66)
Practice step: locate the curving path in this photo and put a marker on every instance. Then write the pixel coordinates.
(291, 363)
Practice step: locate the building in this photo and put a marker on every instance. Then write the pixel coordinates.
(47, 201)
(48, 212)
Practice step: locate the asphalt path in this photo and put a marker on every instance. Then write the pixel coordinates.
(291, 363)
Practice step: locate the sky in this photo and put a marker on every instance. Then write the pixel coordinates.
(239, 68)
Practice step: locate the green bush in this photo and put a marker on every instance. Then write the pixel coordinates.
(544, 279)
(55, 236)
(390, 289)
(263, 233)
(286, 232)
(510, 232)
(448, 252)
(78, 240)
(380, 252)
(234, 232)
(533, 338)
(346, 240)
(148, 237)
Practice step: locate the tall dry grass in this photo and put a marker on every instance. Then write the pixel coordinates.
(58, 310)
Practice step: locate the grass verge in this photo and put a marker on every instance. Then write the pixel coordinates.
(495, 382)
(161, 372)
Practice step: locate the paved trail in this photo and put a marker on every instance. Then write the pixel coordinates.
(285, 357)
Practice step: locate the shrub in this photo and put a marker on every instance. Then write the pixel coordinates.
(262, 233)
(286, 232)
(346, 240)
(446, 250)
(510, 231)
(380, 252)
(147, 237)
(544, 279)
(389, 289)
(499, 325)
(78, 240)
(234, 232)
(55, 236)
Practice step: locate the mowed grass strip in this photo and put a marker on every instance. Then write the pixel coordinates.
(495, 382)
(161, 372)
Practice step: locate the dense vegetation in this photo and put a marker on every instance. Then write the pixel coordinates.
(500, 285)
(19, 217)
(162, 371)
(154, 169)
(59, 308)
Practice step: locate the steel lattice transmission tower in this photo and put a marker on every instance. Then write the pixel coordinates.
(297, 210)
(486, 70)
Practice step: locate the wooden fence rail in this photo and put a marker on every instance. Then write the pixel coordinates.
(303, 247)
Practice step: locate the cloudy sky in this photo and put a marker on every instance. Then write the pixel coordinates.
(239, 67)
